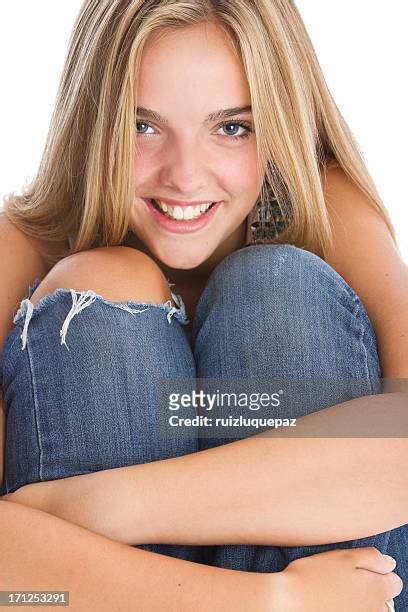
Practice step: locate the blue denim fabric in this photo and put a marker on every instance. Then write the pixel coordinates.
(279, 311)
(80, 375)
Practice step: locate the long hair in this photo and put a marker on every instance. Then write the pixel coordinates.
(84, 185)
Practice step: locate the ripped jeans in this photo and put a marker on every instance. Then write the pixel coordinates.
(80, 375)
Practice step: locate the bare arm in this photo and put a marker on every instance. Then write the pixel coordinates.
(42, 552)
(267, 490)
(260, 490)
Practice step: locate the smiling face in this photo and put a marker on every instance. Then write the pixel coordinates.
(186, 156)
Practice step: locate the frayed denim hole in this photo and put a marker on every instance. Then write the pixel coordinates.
(51, 298)
(24, 304)
(79, 301)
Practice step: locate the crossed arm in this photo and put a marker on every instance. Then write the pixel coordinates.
(261, 490)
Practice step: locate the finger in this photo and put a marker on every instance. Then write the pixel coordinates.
(372, 559)
(390, 605)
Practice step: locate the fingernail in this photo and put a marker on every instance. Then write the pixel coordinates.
(391, 558)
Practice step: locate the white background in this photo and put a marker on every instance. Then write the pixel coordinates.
(361, 47)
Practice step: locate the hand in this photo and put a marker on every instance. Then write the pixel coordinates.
(351, 580)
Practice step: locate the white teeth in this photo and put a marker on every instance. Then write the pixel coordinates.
(177, 212)
(189, 212)
(183, 212)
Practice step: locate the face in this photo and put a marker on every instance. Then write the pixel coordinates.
(185, 156)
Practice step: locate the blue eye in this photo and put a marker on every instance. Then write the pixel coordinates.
(141, 123)
(238, 124)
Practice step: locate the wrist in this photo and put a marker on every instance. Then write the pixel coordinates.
(107, 502)
(86, 500)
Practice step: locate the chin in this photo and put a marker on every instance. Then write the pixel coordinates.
(182, 263)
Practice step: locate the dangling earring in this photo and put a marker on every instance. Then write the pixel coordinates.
(265, 221)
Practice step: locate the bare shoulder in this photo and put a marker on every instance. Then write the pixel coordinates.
(10, 232)
(365, 255)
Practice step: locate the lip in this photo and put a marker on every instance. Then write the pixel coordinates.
(181, 227)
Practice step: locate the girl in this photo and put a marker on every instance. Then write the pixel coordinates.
(195, 147)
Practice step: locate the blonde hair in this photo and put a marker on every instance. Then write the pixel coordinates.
(84, 184)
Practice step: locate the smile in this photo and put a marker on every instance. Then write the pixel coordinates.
(181, 219)
(185, 213)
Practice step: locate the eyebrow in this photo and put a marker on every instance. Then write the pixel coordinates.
(224, 113)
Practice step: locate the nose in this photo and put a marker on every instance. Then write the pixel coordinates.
(184, 170)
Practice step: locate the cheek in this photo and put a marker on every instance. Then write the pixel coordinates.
(242, 176)
(145, 165)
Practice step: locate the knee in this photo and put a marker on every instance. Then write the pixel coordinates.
(273, 260)
(115, 273)
(273, 274)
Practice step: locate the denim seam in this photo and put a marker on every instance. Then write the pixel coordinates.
(360, 315)
(6, 365)
(35, 406)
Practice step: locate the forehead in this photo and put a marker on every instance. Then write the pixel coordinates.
(196, 61)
